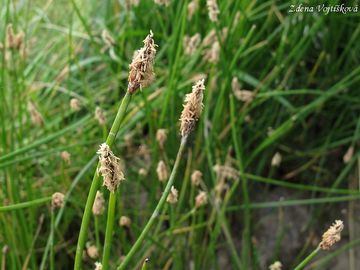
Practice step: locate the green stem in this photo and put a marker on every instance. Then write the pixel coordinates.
(109, 230)
(95, 182)
(52, 256)
(24, 204)
(158, 208)
(97, 236)
(307, 259)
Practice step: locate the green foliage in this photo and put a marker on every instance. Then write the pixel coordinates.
(303, 67)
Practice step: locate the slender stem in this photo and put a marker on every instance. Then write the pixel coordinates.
(95, 182)
(307, 259)
(25, 204)
(52, 256)
(97, 236)
(109, 230)
(158, 208)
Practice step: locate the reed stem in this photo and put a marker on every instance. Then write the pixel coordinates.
(158, 208)
(52, 228)
(302, 264)
(96, 180)
(109, 230)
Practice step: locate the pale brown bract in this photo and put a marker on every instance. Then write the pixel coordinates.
(192, 108)
(110, 168)
(141, 68)
(332, 235)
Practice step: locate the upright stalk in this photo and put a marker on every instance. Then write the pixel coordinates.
(307, 259)
(158, 208)
(95, 182)
(52, 228)
(109, 230)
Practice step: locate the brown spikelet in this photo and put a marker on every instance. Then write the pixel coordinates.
(35, 115)
(172, 198)
(161, 136)
(212, 54)
(107, 38)
(130, 3)
(125, 221)
(348, 155)
(192, 7)
(99, 204)
(162, 2)
(162, 171)
(226, 171)
(141, 68)
(100, 116)
(57, 200)
(191, 43)
(75, 104)
(201, 199)
(209, 39)
(66, 156)
(332, 235)
(276, 160)
(196, 178)
(98, 266)
(242, 95)
(192, 108)
(10, 36)
(276, 266)
(92, 251)
(213, 10)
(110, 168)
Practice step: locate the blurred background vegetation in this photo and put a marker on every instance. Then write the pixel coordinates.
(303, 73)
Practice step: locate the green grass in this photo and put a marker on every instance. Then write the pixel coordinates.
(305, 71)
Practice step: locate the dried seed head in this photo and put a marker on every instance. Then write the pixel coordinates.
(107, 38)
(332, 235)
(213, 53)
(275, 266)
(162, 2)
(191, 43)
(242, 95)
(35, 115)
(10, 36)
(99, 204)
(276, 160)
(162, 171)
(161, 136)
(237, 18)
(201, 199)
(92, 251)
(65, 155)
(125, 221)
(210, 38)
(141, 68)
(100, 116)
(57, 200)
(173, 195)
(226, 172)
(98, 266)
(63, 74)
(75, 104)
(143, 172)
(348, 155)
(196, 178)
(192, 7)
(110, 168)
(213, 10)
(192, 108)
(130, 3)
(5, 249)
